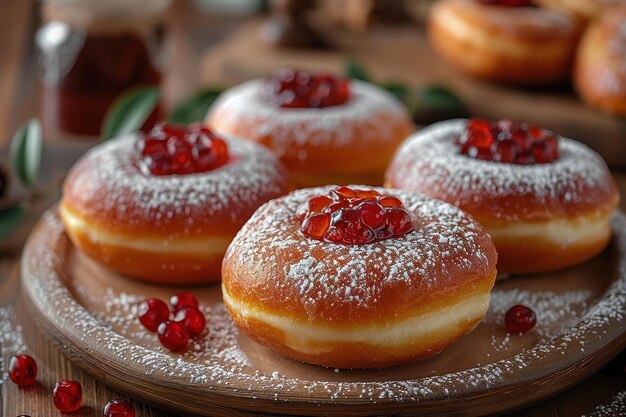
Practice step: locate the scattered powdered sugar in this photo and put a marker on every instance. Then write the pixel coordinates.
(562, 310)
(106, 178)
(321, 276)
(615, 408)
(220, 363)
(11, 341)
(429, 162)
(319, 127)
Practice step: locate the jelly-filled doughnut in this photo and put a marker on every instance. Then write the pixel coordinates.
(504, 40)
(163, 207)
(355, 277)
(545, 200)
(324, 129)
(600, 71)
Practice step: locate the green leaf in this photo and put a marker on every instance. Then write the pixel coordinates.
(196, 108)
(25, 152)
(10, 219)
(400, 91)
(129, 112)
(354, 70)
(434, 103)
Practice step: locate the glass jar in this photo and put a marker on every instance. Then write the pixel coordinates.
(90, 52)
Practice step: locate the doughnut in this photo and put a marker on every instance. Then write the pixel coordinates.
(584, 10)
(500, 42)
(170, 226)
(367, 123)
(600, 70)
(546, 201)
(361, 290)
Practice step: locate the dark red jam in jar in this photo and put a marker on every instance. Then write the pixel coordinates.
(353, 216)
(92, 52)
(291, 88)
(179, 150)
(508, 142)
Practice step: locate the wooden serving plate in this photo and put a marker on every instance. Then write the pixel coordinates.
(89, 312)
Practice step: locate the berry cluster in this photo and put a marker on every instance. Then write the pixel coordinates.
(178, 150)
(299, 89)
(67, 395)
(355, 217)
(175, 324)
(508, 142)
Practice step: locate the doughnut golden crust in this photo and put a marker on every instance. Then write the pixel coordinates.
(585, 10)
(170, 229)
(600, 71)
(312, 142)
(523, 45)
(541, 217)
(359, 306)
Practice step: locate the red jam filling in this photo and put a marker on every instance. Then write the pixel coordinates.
(512, 3)
(508, 142)
(519, 319)
(355, 217)
(178, 150)
(290, 88)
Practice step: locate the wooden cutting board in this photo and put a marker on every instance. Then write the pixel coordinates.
(88, 311)
(404, 54)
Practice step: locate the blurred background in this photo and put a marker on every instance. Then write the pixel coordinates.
(67, 61)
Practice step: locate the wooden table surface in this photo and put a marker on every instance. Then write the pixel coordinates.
(18, 101)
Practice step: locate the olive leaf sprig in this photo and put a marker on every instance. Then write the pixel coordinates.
(25, 154)
(426, 104)
(131, 110)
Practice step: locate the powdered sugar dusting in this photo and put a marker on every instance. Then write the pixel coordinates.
(313, 273)
(230, 370)
(107, 175)
(11, 341)
(318, 127)
(615, 408)
(430, 162)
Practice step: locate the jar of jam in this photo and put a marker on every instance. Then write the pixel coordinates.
(90, 52)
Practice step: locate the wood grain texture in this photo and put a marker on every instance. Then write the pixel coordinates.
(405, 55)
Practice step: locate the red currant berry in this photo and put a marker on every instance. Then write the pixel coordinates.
(372, 214)
(174, 336)
(298, 89)
(22, 370)
(316, 224)
(118, 408)
(319, 203)
(183, 299)
(519, 319)
(192, 319)
(179, 150)
(399, 220)
(508, 142)
(355, 217)
(67, 396)
(152, 312)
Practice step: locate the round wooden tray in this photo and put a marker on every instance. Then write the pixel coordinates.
(89, 312)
